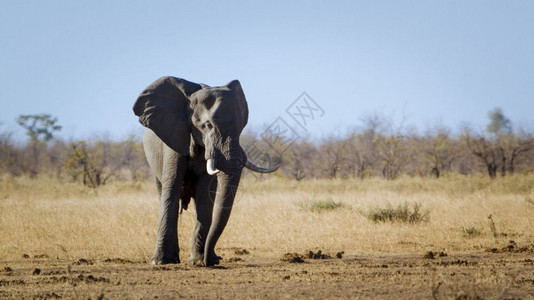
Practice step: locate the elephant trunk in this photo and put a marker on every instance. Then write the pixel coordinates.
(227, 185)
(224, 155)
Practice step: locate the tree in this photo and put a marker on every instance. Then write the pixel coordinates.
(362, 148)
(440, 150)
(332, 153)
(40, 129)
(11, 160)
(88, 164)
(391, 149)
(485, 150)
(391, 153)
(130, 156)
(298, 160)
(513, 147)
(501, 149)
(499, 123)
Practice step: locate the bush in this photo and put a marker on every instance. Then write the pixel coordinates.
(403, 213)
(317, 205)
(470, 231)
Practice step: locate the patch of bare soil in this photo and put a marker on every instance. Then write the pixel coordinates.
(484, 275)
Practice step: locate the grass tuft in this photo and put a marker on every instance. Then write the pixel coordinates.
(319, 205)
(471, 231)
(402, 213)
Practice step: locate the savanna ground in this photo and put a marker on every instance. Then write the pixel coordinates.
(63, 240)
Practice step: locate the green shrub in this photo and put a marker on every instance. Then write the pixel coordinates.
(403, 213)
(470, 231)
(318, 205)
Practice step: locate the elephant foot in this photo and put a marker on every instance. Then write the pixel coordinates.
(212, 260)
(160, 260)
(199, 260)
(196, 260)
(164, 262)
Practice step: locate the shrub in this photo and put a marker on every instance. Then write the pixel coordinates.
(471, 231)
(317, 205)
(403, 213)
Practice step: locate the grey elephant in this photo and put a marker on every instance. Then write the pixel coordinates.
(192, 146)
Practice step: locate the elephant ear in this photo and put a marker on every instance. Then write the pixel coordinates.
(235, 86)
(163, 107)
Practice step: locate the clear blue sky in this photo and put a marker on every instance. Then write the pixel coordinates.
(434, 62)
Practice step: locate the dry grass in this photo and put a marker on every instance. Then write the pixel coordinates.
(70, 221)
(84, 243)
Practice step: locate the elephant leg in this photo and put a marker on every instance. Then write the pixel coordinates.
(204, 197)
(171, 181)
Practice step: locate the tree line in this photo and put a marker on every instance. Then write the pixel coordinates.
(92, 162)
(380, 148)
(377, 148)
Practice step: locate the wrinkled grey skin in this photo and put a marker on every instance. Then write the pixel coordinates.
(188, 124)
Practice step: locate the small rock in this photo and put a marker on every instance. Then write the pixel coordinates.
(36, 271)
(24, 255)
(339, 255)
(287, 277)
(429, 255)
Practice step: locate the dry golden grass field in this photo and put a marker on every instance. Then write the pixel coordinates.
(408, 238)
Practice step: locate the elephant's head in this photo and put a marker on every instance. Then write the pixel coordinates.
(218, 116)
(187, 117)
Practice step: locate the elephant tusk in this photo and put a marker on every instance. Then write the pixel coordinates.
(210, 167)
(255, 168)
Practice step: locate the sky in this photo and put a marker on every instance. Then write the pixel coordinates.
(425, 62)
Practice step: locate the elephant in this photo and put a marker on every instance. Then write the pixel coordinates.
(191, 143)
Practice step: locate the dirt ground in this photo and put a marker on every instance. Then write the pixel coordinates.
(246, 274)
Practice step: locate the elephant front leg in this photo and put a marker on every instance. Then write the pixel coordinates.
(204, 197)
(167, 249)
